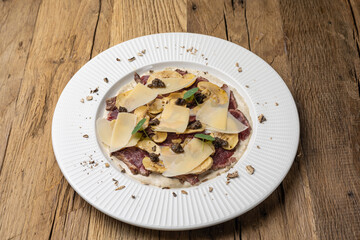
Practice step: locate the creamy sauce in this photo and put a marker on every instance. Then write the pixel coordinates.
(158, 180)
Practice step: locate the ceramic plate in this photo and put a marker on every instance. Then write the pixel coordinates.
(155, 208)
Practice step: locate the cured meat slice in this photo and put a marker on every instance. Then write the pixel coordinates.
(133, 157)
(222, 158)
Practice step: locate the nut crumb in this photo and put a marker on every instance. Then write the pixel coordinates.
(143, 51)
(227, 182)
(85, 136)
(174, 194)
(151, 71)
(119, 188)
(106, 80)
(107, 165)
(261, 118)
(118, 59)
(250, 170)
(184, 192)
(237, 64)
(233, 175)
(89, 98)
(239, 69)
(140, 54)
(211, 189)
(182, 46)
(276, 104)
(132, 59)
(166, 47)
(133, 196)
(247, 86)
(82, 100)
(258, 146)
(270, 138)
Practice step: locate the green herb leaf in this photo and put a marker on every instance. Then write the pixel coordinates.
(204, 136)
(138, 126)
(190, 93)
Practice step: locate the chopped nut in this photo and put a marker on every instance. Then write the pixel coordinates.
(118, 59)
(227, 182)
(182, 46)
(174, 194)
(233, 175)
(140, 54)
(133, 197)
(85, 136)
(119, 188)
(258, 146)
(211, 189)
(95, 90)
(89, 98)
(143, 51)
(132, 59)
(107, 165)
(237, 64)
(82, 100)
(239, 69)
(184, 192)
(250, 170)
(121, 169)
(261, 118)
(247, 86)
(91, 162)
(106, 80)
(276, 104)
(151, 71)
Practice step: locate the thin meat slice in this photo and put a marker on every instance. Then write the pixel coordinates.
(112, 115)
(144, 79)
(232, 101)
(182, 72)
(222, 158)
(133, 157)
(241, 117)
(192, 119)
(191, 178)
(111, 104)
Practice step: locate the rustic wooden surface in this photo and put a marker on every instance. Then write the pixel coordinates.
(314, 46)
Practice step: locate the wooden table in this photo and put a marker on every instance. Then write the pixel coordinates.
(313, 45)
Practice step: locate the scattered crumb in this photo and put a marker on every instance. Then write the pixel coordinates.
(182, 46)
(91, 162)
(133, 197)
(115, 181)
(121, 169)
(258, 103)
(85, 136)
(140, 54)
(184, 192)
(143, 51)
(206, 64)
(270, 138)
(119, 188)
(239, 69)
(89, 98)
(276, 104)
(166, 47)
(95, 90)
(261, 118)
(174, 194)
(211, 189)
(250, 170)
(258, 146)
(118, 59)
(189, 49)
(107, 165)
(227, 182)
(82, 100)
(237, 64)
(165, 188)
(247, 86)
(206, 59)
(151, 71)
(206, 73)
(132, 59)
(106, 80)
(233, 175)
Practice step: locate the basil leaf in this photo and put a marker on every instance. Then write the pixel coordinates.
(204, 136)
(138, 126)
(190, 93)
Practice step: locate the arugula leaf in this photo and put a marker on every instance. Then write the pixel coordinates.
(138, 126)
(190, 93)
(204, 136)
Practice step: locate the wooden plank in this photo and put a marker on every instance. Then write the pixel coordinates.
(36, 192)
(323, 57)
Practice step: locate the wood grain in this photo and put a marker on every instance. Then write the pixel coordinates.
(313, 45)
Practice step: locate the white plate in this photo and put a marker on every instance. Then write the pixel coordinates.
(157, 208)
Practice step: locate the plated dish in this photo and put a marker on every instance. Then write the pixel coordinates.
(175, 127)
(264, 159)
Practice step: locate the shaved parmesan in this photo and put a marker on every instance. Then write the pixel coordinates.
(173, 84)
(213, 114)
(121, 134)
(174, 118)
(104, 130)
(195, 152)
(137, 97)
(134, 139)
(232, 126)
